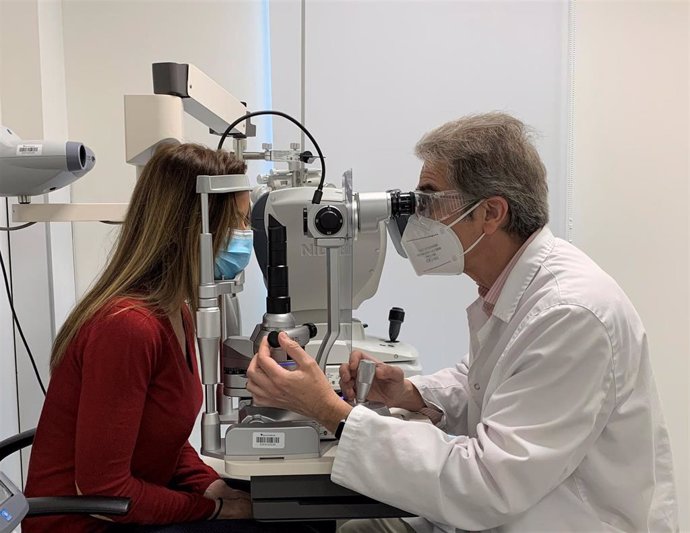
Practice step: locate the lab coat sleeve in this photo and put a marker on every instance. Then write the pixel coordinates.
(447, 391)
(552, 403)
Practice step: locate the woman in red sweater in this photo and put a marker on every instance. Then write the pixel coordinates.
(125, 391)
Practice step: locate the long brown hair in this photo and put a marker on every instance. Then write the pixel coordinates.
(156, 256)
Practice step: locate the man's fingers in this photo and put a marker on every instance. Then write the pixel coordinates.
(293, 349)
(355, 358)
(266, 362)
(386, 372)
(264, 348)
(258, 399)
(252, 367)
(348, 391)
(258, 379)
(344, 372)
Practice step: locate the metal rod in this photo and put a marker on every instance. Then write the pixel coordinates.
(333, 331)
(238, 146)
(204, 213)
(303, 69)
(254, 156)
(210, 397)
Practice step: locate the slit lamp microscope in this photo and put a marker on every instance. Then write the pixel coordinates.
(319, 259)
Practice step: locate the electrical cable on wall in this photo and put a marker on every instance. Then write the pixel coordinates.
(19, 327)
(15, 228)
(11, 301)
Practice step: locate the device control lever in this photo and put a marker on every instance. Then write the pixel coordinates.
(396, 317)
(365, 377)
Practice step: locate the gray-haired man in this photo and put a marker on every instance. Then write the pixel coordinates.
(552, 421)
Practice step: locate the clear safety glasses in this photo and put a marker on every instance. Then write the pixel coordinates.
(439, 206)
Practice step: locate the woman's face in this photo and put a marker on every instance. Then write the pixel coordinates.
(242, 199)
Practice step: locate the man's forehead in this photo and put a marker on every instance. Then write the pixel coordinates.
(433, 177)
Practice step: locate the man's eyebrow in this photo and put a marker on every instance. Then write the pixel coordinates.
(427, 187)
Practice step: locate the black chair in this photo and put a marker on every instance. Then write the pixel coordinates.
(51, 505)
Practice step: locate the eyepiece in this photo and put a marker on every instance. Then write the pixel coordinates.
(402, 203)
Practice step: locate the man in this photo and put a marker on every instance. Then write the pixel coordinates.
(552, 421)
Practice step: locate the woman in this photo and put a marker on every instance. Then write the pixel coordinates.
(125, 389)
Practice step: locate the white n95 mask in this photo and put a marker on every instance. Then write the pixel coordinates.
(433, 248)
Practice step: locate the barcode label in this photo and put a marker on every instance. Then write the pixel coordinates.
(29, 149)
(262, 439)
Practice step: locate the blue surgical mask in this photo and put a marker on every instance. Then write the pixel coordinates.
(235, 257)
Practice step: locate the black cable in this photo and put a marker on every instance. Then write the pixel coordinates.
(15, 228)
(19, 327)
(14, 313)
(319, 190)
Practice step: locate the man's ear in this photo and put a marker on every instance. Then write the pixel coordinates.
(496, 214)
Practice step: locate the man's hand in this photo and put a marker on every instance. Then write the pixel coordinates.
(389, 387)
(305, 390)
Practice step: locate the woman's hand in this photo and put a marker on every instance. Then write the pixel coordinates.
(305, 390)
(236, 507)
(237, 504)
(219, 489)
(389, 386)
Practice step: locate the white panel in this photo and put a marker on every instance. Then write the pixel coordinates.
(380, 74)
(632, 122)
(54, 212)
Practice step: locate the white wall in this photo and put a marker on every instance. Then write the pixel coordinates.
(32, 94)
(109, 49)
(9, 418)
(631, 181)
(379, 74)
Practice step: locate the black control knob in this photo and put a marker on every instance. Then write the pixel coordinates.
(312, 330)
(396, 317)
(273, 339)
(328, 220)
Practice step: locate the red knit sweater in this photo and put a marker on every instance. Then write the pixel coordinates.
(115, 422)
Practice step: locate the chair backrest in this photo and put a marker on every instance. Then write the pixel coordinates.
(16, 442)
(14, 506)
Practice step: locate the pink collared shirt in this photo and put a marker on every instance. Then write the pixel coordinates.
(490, 296)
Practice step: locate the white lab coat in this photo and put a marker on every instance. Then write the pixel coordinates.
(552, 423)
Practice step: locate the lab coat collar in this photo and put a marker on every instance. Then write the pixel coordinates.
(523, 273)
